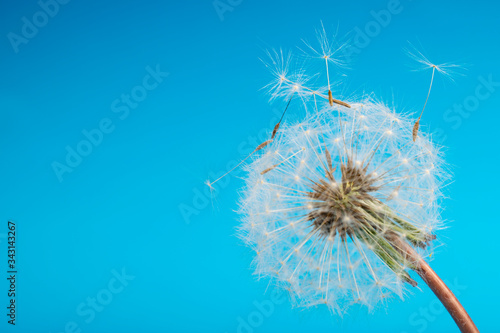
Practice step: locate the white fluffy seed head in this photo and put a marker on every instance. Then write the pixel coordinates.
(326, 243)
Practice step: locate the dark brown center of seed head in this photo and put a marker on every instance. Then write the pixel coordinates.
(337, 206)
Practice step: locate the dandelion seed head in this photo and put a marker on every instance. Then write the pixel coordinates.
(331, 235)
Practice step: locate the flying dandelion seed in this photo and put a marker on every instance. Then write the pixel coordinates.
(331, 53)
(448, 70)
(342, 205)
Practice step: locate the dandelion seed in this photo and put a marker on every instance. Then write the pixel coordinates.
(259, 147)
(329, 52)
(448, 70)
(417, 123)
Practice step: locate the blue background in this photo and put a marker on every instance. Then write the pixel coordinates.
(121, 207)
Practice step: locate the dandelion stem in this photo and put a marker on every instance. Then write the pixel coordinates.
(441, 290)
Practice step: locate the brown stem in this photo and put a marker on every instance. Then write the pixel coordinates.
(445, 295)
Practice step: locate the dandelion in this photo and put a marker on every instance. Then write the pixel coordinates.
(341, 206)
(448, 70)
